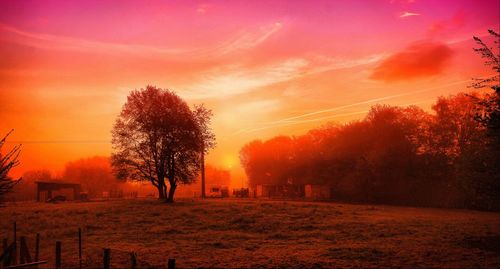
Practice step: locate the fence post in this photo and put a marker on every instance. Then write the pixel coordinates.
(80, 247)
(6, 256)
(5, 247)
(133, 260)
(58, 254)
(106, 258)
(24, 253)
(171, 264)
(37, 247)
(14, 252)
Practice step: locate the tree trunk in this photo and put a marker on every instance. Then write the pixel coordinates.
(171, 192)
(171, 180)
(161, 187)
(165, 191)
(203, 195)
(161, 192)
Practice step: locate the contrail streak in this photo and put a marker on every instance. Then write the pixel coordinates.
(289, 120)
(368, 101)
(304, 121)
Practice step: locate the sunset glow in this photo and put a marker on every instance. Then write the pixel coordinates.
(265, 68)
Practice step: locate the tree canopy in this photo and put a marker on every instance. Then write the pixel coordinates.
(158, 138)
(398, 155)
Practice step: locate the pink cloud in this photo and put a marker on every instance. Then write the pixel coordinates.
(202, 9)
(453, 23)
(418, 60)
(409, 14)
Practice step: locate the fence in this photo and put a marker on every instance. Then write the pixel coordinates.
(10, 259)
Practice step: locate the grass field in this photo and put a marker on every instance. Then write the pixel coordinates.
(260, 233)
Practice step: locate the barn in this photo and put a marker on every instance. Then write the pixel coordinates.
(46, 190)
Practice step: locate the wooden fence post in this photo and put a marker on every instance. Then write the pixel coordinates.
(14, 253)
(106, 258)
(24, 253)
(80, 247)
(6, 256)
(37, 247)
(133, 260)
(171, 264)
(58, 254)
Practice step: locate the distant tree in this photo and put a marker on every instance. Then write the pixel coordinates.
(25, 190)
(394, 155)
(94, 174)
(218, 176)
(157, 138)
(8, 161)
(203, 117)
(454, 127)
(268, 162)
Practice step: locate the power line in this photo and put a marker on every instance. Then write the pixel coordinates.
(60, 142)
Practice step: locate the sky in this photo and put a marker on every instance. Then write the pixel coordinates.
(265, 68)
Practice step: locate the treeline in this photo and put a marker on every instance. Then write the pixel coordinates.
(96, 177)
(395, 155)
(93, 173)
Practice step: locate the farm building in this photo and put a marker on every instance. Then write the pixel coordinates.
(279, 191)
(46, 190)
(317, 192)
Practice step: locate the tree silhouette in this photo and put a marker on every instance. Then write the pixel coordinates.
(492, 59)
(7, 162)
(157, 138)
(395, 155)
(482, 167)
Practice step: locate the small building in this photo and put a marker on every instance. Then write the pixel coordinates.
(279, 191)
(46, 190)
(317, 192)
(217, 191)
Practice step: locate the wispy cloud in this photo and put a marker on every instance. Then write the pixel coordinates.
(238, 79)
(56, 42)
(242, 41)
(248, 40)
(233, 80)
(408, 14)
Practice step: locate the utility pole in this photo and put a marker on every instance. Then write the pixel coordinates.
(203, 173)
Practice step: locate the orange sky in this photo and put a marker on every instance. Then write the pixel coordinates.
(280, 67)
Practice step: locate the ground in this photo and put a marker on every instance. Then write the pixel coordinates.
(259, 234)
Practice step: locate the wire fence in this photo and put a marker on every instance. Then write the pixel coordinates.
(18, 254)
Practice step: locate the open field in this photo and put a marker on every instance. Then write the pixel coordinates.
(260, 233)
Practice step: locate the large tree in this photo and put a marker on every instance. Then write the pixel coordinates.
(8, 161)
(157, 138)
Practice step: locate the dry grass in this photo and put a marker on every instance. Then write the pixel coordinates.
(261, 234)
